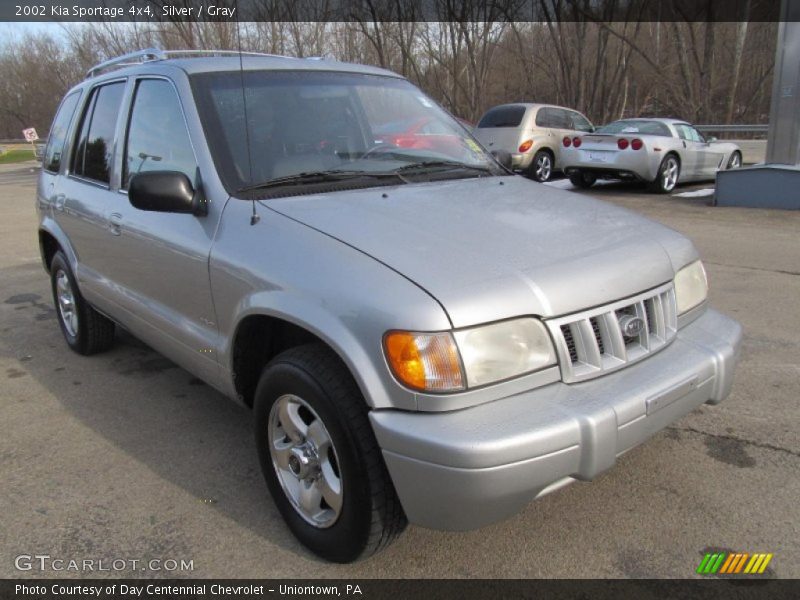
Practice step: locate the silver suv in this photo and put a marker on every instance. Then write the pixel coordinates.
(532, 134)
(422, 335)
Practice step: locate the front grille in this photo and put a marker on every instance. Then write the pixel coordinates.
(593, 343)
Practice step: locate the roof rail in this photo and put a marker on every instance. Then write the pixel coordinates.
(132, 58)
(154, 54)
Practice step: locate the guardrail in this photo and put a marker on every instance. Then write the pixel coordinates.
(750, 132)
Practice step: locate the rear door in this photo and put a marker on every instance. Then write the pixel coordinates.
(49, 193)
(84, 202)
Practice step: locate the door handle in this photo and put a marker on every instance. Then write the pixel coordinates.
(60, 200)
(115, 223)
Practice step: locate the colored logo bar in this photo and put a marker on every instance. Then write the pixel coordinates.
(734, 563)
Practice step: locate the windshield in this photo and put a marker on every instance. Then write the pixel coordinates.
(638, 127)
(287, 123)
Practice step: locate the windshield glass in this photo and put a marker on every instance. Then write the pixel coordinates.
(316, 121)
(633, 126)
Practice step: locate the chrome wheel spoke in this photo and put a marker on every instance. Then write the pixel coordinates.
(331, 488)
(281, 451)
(310, 499)
(319, 436)
(290, 420)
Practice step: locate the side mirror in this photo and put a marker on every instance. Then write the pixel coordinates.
(503, 157)
(711, 139)
(166, 191)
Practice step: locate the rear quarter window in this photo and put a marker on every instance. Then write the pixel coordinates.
(58, 133)
(502, 116)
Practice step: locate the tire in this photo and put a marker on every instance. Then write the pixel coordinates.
(85, 330)
(735, 161)
(541, 167)
(309, 387)
(668, 174)
(582, 179)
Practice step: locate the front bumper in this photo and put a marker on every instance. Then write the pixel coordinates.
(464, 469)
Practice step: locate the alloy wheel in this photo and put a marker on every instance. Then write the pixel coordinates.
(305, 461)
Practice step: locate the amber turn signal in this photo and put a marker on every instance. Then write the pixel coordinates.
(424, 361)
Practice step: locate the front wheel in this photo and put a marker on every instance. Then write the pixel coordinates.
(320, 458)
(541, 168)
(668, 174)
(735, 160)
(582, 179)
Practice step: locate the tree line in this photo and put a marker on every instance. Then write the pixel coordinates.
(470, 60)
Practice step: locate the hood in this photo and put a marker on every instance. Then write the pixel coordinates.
(499, 247)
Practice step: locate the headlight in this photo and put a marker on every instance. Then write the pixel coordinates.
(504, 350)
(691, 286)
(447, 362)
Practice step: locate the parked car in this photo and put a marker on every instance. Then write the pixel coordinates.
(532, 133)
(420, 339)
(660, 152)
(425, 133)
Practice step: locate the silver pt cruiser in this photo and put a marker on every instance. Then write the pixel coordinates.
(423, 336)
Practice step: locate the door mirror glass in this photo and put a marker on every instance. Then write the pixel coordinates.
(711, 138)
(165, 191)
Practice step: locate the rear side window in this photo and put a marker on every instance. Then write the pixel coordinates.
(58, 133)
(92, 157)
(502, 116)
(545, 117)
(580, 123)
(157, 136)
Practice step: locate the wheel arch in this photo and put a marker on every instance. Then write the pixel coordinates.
(261, 334)
(51, 240)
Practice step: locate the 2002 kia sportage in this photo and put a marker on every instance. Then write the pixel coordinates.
(422, 335)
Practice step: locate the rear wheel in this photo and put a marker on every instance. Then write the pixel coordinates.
(85, 330)
(735, 161)
(668, 174)
(541, 168)
(582, 179)
(320, 458)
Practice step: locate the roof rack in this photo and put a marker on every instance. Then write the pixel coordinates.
(154, 54)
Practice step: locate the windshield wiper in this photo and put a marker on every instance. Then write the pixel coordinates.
(431, 165)
(317, 177)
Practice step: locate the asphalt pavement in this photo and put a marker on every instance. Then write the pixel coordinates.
(125, 456)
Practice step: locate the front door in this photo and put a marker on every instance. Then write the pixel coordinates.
(163, 267)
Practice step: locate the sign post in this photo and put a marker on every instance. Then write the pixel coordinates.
(31, 136)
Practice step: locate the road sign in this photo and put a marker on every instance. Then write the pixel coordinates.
(30, 134)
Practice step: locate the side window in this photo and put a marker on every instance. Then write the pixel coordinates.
(544, 118)
(562, 119)
(58, 133)
(157, 136)
(95, 143)
(580, 123)
(685, 132)
(695, 135)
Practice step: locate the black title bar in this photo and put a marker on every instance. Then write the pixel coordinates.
(393, 10)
